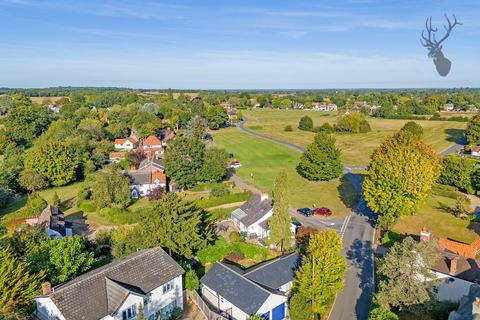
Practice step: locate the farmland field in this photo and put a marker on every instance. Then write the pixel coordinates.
(356, 148)
(263, 160)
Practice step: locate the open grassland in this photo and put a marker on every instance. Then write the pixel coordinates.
(263, 160)
(443, 224)
(356, 148)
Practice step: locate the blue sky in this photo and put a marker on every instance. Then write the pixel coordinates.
(233, 44)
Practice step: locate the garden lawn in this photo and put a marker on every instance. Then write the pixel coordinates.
(441, 223)
(356, 148)
(221, 248)
(262, 161)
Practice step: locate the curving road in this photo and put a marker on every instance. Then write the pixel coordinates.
(357, 231)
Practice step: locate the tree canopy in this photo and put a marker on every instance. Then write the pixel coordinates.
(279, 225)
(321, 160)
(110, 189)
(402, 171)
(305, 123)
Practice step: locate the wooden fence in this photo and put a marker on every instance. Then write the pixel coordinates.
(204, 307)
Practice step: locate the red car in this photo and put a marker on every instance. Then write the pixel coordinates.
(323, 211)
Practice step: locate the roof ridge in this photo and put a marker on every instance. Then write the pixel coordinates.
(269, 263)
(99, 271)
(243, 277)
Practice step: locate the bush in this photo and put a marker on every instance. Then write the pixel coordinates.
(219, 190)
(235, 257)
(84, 192)
(414, 128)
(353, 122)
(5, 196)
(234, 237)
(391, 237)
(300, 307)
(175, 314)
(326, 127)
(305, 123)
(382, 314)
(192, 282)
(288, 128)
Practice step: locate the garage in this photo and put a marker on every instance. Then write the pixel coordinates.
(278, 313)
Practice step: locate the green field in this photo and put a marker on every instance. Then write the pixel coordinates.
(440, 222)
(263, 160)
(356, 148)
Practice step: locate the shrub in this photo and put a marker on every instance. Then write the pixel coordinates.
(381, 313)
(192, 282)
(5, 196)
(234, 237)
(305, 123)
(414, 128)
(235, 257)
(288, 128)
(84, 192)
(353, 122)
(219, 190)
(326, 127)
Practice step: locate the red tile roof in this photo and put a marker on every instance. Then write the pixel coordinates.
(152, 141)
(475, 148)
(462, 249)
(122, 141)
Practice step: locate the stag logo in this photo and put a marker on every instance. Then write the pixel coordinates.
(434, 46)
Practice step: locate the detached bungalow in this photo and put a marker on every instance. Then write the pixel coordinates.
(262, 290)
(150, 175)
(148, 280)
(251, 218)
(127, 144)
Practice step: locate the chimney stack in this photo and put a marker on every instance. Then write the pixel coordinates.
(46, 288)
(453, 265)
(425, 235)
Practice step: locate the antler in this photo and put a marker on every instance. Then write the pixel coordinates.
(450, 27)
(428, 41)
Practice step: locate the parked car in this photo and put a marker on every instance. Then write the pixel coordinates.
(323, 211)
(305, 211)
(235, 164)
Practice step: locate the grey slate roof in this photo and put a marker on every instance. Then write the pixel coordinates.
(148, 163)
(243, 293)
(274, 274)
(95, 294)
(255, 209)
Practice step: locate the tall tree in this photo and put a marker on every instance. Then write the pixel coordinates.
(457, 172)
(405, 275)
(413, 127)
(110, 189)
(320, 276)
(175, 224)
(321, 160)
(184, 160)
(402, 171)
(25, 123)
(61, 260)
(53, 160)
(353, 122)
(279, 224)
(473, 130)
(214, 165)
(216, 117)
(17, 284)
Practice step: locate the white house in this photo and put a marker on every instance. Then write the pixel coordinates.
(251, 217)
(129, 143)
(153, 147)
(262, 291)
(475, 151)
(148, 280)
(150, 175)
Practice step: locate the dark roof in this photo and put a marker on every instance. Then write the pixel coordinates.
(140, 177)
(276, 273)
(255, 209)
(95, 294)
(243, 293)
(53, 218)
(466, 268)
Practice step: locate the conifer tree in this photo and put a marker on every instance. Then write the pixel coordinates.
(321, 160)
(280, 222)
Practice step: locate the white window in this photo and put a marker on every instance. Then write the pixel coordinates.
(129, 313)
(167, 287)
(147, 299)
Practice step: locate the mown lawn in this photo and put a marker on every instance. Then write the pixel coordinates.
(436, 219)
(263, 160)
(356, 148)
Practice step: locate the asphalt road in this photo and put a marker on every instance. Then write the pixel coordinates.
(357, 231)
